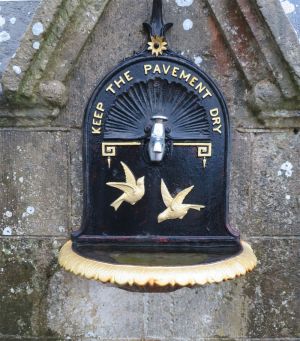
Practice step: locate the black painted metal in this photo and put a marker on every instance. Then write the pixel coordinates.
(157, 26)
(127, 117)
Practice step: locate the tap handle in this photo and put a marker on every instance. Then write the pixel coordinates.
(159, 118)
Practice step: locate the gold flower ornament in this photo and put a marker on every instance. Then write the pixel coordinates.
(157, 45)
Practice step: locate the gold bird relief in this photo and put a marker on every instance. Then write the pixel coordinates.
(175, 208)
(133, 189)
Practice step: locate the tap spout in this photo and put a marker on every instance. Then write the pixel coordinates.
(157, 144)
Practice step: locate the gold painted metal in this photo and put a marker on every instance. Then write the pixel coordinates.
(109, 148)
(133, 189)
(175, 207)
(204, 149)
(157, 45)
(158, 275)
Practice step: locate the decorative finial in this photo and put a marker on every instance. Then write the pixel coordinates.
(157, 29)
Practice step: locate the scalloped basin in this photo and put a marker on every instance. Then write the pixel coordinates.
(151, 258)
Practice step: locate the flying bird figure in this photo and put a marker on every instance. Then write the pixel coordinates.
(175, 208)
(133, 189)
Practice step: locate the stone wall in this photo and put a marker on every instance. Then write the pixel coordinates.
(41, 197)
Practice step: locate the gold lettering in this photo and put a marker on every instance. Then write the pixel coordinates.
(218, 129)
(97, 122)
(110, 88)
(119, 82)
(192, 81)
(147, 68)
(99, 106)
(96, 130)
(156, 69)
(185, 76)
(200, 87)
(166, 69)
(216, 120)
(98, 115)
(174, 72)
(128, 76)
(207, 93)
(214, 112)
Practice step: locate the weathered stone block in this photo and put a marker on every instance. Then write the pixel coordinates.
(210, 311)
(275, 185)
(273, 290)
(264, 184)
(240, 182)
(25, 266)
(34, 183)
(85, 309)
